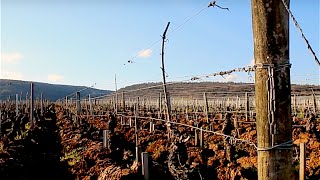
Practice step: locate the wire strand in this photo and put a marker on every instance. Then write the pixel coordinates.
(169, 33)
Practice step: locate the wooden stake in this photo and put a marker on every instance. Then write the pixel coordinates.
(146, 165)
(78, 107)
(41, 104)
(206, 106)
(247, 108)
(116, 99)
(17, 105)
(160, 106)
(165, 92)
(201, 137)
(314, 103)
(302, 169)
(151, 126)
(90, 105)
(123, 102)
(295, 104)
(271, 48)
(31, 106)
(136, 132)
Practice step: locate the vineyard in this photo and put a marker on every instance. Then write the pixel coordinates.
(130, 139)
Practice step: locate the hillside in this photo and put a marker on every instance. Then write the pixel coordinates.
(51, 92)
(197, 88)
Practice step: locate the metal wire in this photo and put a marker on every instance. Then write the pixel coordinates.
(197, 128)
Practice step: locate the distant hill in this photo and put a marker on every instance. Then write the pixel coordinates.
(51, 92)
(196, 89)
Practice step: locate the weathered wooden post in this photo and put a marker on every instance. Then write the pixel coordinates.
(90, 105)
(116, 98)
(314, 103)
(104, 142)
(237, 102)
(41, 104)
(21, 103)
(106, 139)
(165, 92)
(201, 137)
(31, 106)
(187, 116)
(86, 107)
(17, 105)
(151, 127)
(146, 165)
(27, 103)
(295, 104)
(211, 127)
(195, 137)
(66, 102)
(113, 104)
(206, 106)
(160, 106)
(236, 126)
(272, 87)
(136, 132)
(137, 105)
(123, 102)
(302, 169)
(78, 107)
(130, 122)
(247, 106)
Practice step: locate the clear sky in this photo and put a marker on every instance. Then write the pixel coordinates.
(86, 42)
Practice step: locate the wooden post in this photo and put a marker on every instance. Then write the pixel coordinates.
(302, 169)
(314, 103)
(31, 106)
(187, 116)
(295, 104)
(106, 139)
(201, 137)
(151, 127)
(137, 105)
(136, 132)
(271, 48)
(86, 106)
(237, 103)
(27, 103)
(165, 92)
(247, 107)
(21, 103)
(130, 122)
(160, 106)
(195, 137)
(206, 106)
(116, 99)
(123, 102)
(78, 107)
(66, 102)
(236, 127)
(146, 165)
(90, 105)
(17, 105)
(41, 104)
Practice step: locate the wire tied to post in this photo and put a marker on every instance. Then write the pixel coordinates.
(283, 146)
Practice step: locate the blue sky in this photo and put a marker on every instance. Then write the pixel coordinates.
(87, 42)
